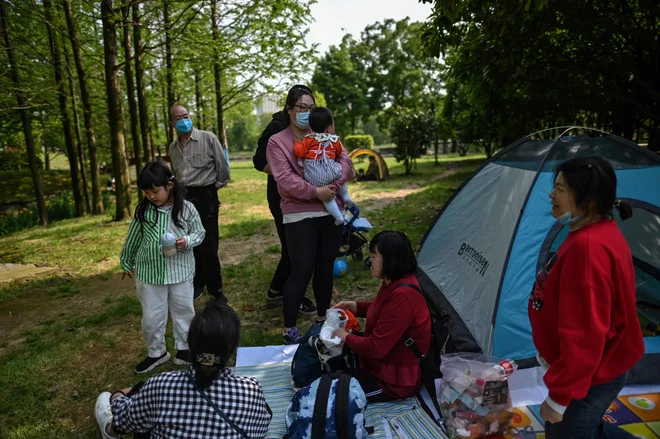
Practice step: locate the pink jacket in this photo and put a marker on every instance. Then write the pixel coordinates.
(297, 194)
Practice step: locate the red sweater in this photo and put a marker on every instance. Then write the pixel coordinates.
(297, 194)
(584, 320)
(395, 311)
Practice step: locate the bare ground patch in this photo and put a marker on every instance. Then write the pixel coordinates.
(382, 200)
(235, 250)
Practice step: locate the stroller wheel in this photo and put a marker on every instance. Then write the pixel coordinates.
(357, 255)
(367, 263)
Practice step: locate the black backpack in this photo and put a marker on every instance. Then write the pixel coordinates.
(440, 344)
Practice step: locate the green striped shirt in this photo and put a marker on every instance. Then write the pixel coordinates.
(142, 251)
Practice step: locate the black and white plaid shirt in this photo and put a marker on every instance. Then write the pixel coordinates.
(169, 406)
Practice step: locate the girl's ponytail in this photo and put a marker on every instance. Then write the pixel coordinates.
(178, 192)
(624, 208)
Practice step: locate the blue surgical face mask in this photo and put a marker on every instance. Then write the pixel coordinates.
(183, 126)
(567, 218)
(302, 120)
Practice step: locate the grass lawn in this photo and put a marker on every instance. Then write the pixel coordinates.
(73, 333)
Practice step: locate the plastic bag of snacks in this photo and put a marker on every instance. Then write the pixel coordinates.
(475, 400)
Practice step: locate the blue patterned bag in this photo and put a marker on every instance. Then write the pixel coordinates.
(332, 407)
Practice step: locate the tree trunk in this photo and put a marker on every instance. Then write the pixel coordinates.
(654, 137)
(139, 83)
(130, 95)
(168, 67)
(25, 118)
(64, 107)
(199, 103)
(97, 201)
(445, 146)
(159, 155)
(119, 168)
(454, 144)
(76, 123)
(166, 114)
(217, 76)
(43, 141)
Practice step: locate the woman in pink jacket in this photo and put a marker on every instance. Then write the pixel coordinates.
(312, 237)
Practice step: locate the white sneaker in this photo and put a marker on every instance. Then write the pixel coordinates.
(104, 414)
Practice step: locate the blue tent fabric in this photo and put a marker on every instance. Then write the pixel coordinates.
(504, 329)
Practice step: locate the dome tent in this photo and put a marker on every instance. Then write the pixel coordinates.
(479, 258)
(383, 171)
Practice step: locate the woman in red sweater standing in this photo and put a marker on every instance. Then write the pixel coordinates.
(388, 368)
(582, 307)
(312, 237)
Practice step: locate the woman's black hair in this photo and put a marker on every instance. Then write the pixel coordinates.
(320, 118)
(213, 336)
(592, 179)
(157, 174)
(398, 256)
(294, 95)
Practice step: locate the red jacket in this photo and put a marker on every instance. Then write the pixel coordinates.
(395, 311)
(583, 315)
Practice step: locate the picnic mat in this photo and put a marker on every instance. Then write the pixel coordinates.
(402, 419)
(637, 414)
(405, 419)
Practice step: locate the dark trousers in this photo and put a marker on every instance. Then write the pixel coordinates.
(284, 266)
(207, 263)
(370, 386)
(583, 419)
(313, 245)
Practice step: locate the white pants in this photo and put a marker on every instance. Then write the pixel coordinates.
(154, 300)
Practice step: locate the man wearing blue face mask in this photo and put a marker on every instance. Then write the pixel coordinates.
(200, 164)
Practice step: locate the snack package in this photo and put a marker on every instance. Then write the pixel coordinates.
(474, 395)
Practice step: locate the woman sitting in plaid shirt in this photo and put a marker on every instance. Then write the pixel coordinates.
(207, 400)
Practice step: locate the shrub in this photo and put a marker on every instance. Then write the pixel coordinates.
(356, 141)
(58, 207)
(13, 159)
(411, 134)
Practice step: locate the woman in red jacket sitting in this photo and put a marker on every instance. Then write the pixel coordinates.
(388, 368)
(582, 307)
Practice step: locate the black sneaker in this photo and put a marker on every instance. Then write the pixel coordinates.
(182, 358)
(274, 296)
(199, 292)
(307, 307)
(292, 336)
(150, 363)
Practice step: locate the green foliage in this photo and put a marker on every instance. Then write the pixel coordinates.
(59, 207)
(386, 67)
(410, 133)
(243, 127)
(371, 127)
(358, 141)
(519, 67)
(15, 159)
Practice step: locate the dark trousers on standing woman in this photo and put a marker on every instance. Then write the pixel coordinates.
(284, 266)
(583, 419)
(313, 245)
(207, 262)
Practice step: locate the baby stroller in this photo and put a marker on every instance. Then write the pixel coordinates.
(353, 239)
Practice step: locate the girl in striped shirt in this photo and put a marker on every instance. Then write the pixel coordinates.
(162, 281)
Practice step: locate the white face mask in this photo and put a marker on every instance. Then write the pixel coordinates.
(567, 218)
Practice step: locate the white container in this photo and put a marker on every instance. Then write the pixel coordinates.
(168, 244)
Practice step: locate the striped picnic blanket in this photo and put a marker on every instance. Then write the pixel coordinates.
(402, 419)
